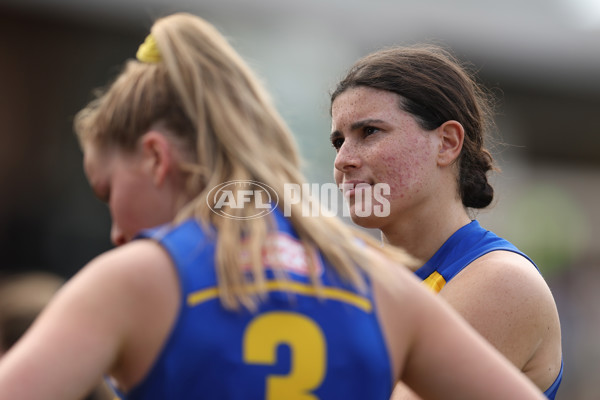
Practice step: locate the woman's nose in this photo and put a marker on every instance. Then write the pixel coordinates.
(347, 157)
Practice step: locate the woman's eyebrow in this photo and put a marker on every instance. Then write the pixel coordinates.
(355, 126)
(365, 122)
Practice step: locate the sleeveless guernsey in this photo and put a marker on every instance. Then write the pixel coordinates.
(462, 248)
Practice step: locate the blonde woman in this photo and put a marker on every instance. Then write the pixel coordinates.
(221, 301)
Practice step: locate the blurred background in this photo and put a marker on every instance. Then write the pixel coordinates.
(540, 57)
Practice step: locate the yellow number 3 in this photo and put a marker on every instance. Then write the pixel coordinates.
(308, 353)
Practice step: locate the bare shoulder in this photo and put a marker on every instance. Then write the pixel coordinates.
(505, 298)
(127, 284)
(136, 287)
(124, 297)
(148, 284)
(140, 266)
(501, 276)
(130, 276)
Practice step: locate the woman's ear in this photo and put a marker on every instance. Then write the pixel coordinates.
(157, 154)
(452, 135)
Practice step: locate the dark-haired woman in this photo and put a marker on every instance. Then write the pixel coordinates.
(413, 119)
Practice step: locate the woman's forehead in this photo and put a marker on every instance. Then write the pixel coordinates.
(362, 103)
(363, 98)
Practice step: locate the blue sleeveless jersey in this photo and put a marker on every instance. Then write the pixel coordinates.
(299, 345)
(462, 248)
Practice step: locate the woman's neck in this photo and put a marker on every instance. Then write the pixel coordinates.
(422, 234)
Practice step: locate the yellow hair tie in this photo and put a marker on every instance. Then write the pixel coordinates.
(148, 51)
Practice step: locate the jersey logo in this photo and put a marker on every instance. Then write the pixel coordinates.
(282, 251)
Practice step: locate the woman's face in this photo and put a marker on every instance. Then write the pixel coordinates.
(126, 182)
(379, 144)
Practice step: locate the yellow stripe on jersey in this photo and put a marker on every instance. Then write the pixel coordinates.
(435, 282)
(345, 296)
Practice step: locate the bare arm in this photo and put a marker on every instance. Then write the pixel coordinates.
(507, 301)
(89, 328)
(442, 357)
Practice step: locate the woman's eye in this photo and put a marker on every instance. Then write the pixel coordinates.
(337, 143)
(369, 130)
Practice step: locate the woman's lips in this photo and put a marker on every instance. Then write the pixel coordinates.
(349, 188)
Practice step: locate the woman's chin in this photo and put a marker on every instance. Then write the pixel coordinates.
(369, 221)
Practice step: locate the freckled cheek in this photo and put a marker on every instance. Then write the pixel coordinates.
(403, 174)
